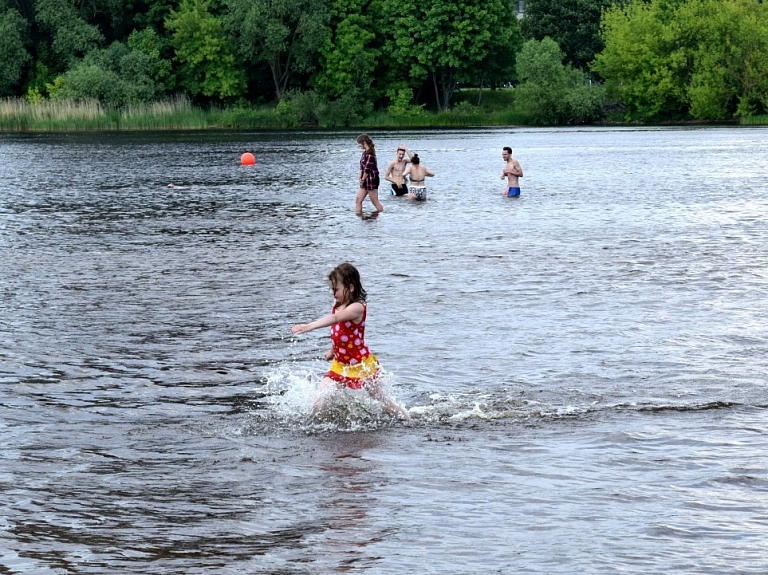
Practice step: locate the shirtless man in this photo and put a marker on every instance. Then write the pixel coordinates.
(512, 171)
(395, 169)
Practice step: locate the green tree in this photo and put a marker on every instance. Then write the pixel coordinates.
(72, 36)
(151, 44)
(706, 58)
(543, 81)
(573, 24)
(204, 51)
(286, 35)
(13, 47)
(115, 76)
(349, 55)
(499, 67)
(553, 93)
(152, 13)
(448, 41)
(729, 75)
(643, 63)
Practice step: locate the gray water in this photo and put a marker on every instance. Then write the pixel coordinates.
(585, 366)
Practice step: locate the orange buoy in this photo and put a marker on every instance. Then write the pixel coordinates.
(247, 159)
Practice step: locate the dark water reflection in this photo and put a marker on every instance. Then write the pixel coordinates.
(585, 365)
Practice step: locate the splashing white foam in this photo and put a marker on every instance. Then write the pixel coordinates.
(292, 391)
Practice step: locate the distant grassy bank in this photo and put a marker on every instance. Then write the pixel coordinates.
(20, 115)
(755, 121)
(470, 108)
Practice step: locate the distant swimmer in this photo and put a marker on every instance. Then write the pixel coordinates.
(353, 366)
(512, 171)
(395, 169)
(368, 176)
(417, 174)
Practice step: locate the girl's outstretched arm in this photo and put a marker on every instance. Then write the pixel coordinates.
(353, 312)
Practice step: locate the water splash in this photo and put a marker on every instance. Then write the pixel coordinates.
(291, 392)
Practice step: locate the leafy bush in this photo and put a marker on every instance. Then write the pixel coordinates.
(89, 81)
(400, 106)
(345, 111)
(311, 109)
(584, 100)
(464, 108)
(552, 93)
(301, 108)
(116, 76)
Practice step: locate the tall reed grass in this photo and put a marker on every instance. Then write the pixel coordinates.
(20, 115)
(17, 114)
(755, 120)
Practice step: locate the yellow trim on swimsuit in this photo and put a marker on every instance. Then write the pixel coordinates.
(354, 375)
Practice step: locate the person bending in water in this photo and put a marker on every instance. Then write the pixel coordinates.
(353, 364)
(368, 176)
(512, 171)
(417, 190)
(394, 173)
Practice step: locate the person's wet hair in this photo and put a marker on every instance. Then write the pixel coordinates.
(415, 159)
(347, 275)
(507, 149)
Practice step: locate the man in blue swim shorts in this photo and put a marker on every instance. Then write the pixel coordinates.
(512, 171)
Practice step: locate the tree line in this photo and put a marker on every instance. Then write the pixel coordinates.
(650, 59)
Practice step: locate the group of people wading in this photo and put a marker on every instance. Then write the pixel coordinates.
(406, 180)
(410, 180)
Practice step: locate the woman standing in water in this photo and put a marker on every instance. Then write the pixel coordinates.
(417, 190)
(368, 176)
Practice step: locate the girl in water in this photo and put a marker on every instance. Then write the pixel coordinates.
(353, 364)
(368, 176)
(417, 190)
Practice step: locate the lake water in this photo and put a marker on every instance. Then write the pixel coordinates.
(586, 365)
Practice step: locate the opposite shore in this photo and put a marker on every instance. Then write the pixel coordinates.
(19, 115)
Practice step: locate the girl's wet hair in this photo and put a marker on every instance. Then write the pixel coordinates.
(366, 139)
(415, 159)
(347, 275)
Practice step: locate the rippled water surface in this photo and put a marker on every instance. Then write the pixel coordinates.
(585, 365)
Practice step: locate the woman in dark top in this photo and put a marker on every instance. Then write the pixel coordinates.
(369, 175)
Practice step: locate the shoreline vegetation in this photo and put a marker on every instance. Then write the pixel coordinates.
(100, 65)
(301, 111)
(178, 114)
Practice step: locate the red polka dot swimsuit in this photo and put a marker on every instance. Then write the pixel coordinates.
(353, 362)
